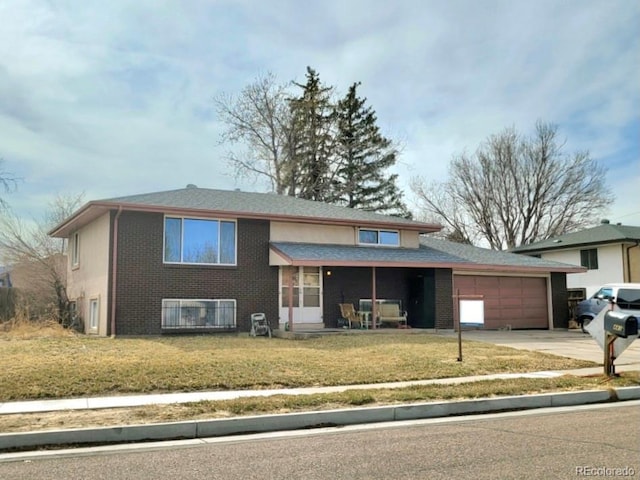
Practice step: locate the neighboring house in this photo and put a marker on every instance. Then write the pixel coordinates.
(203, 260)
(610, 253)
(33, 279)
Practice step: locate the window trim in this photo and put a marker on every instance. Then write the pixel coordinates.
(187, 217)
(199, 327)
(94, 301)
(75, 249)
(589, 258)
(378, 232)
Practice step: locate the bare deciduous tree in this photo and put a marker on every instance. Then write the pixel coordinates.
(516, 190)
(259, 118)
(38, 258)
(7, 183)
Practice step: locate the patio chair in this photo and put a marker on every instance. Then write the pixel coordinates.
(349, 313)
(390, 313)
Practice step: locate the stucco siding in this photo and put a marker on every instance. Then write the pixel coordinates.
(610, 267)
(89, 279)
(328, 234)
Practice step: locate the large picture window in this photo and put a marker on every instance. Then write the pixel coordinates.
(199, 240)
(389, 238)
(185, 314)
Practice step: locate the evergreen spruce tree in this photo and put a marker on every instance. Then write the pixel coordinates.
(363, 158)
(313, 117)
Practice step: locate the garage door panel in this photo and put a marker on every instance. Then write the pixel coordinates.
(533, 302)
(535, 312)
(487, 282)
(518, 302)
(510, 300)
(466, 283)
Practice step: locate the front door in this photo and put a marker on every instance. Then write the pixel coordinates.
(306, 295)
(421, 307)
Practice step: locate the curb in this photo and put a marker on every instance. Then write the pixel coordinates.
(306, 420)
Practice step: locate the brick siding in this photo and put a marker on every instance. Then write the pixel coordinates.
(444, 298)
(143, 280)
(560, 300)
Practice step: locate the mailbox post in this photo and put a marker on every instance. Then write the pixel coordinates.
(616, 324)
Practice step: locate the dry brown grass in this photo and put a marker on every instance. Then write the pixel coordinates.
(22, 327)
(75, 365)
(288, 403)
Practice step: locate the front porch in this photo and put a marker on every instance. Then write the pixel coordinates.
(310, 298)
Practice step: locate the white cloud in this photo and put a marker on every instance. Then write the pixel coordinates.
(114, 98)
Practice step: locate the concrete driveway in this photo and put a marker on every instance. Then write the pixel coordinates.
(566, 343)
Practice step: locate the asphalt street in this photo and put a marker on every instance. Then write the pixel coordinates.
(560, 443)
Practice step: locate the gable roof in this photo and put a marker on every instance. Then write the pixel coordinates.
(432, 253)
(237, 204)
(604, 233)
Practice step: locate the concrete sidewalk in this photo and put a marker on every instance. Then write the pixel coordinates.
(207, 429)
(88, 403)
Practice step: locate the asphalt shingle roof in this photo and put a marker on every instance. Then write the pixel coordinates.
(263, 204)
(602, 234)
(485, 256)
(432, 252)
(352, 253)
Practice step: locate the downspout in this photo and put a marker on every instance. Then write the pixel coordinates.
(114, 272)
(629, 260)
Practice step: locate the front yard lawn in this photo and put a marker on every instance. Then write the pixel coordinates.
(70, 366)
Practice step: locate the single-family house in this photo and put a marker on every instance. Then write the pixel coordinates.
(203, 260)
(610, 253)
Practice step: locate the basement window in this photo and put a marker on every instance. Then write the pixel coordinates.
(180, 314)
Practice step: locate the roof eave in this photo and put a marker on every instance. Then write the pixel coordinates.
(577, 245)
(84, 215)
(73, 222)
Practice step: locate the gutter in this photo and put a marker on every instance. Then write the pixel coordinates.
(114, 271)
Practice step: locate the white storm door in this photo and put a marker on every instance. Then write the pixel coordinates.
(306, 294)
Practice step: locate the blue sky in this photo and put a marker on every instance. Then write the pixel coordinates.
(115, 98)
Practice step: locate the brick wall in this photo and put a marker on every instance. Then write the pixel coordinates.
(560, 300)
(444, 298)
(143, 280)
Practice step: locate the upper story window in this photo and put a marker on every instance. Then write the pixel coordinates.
(199, 241)
(390, 238)
(589, 258)
(75, 249)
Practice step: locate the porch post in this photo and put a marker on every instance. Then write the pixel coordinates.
(373, 297)
(290, 282)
